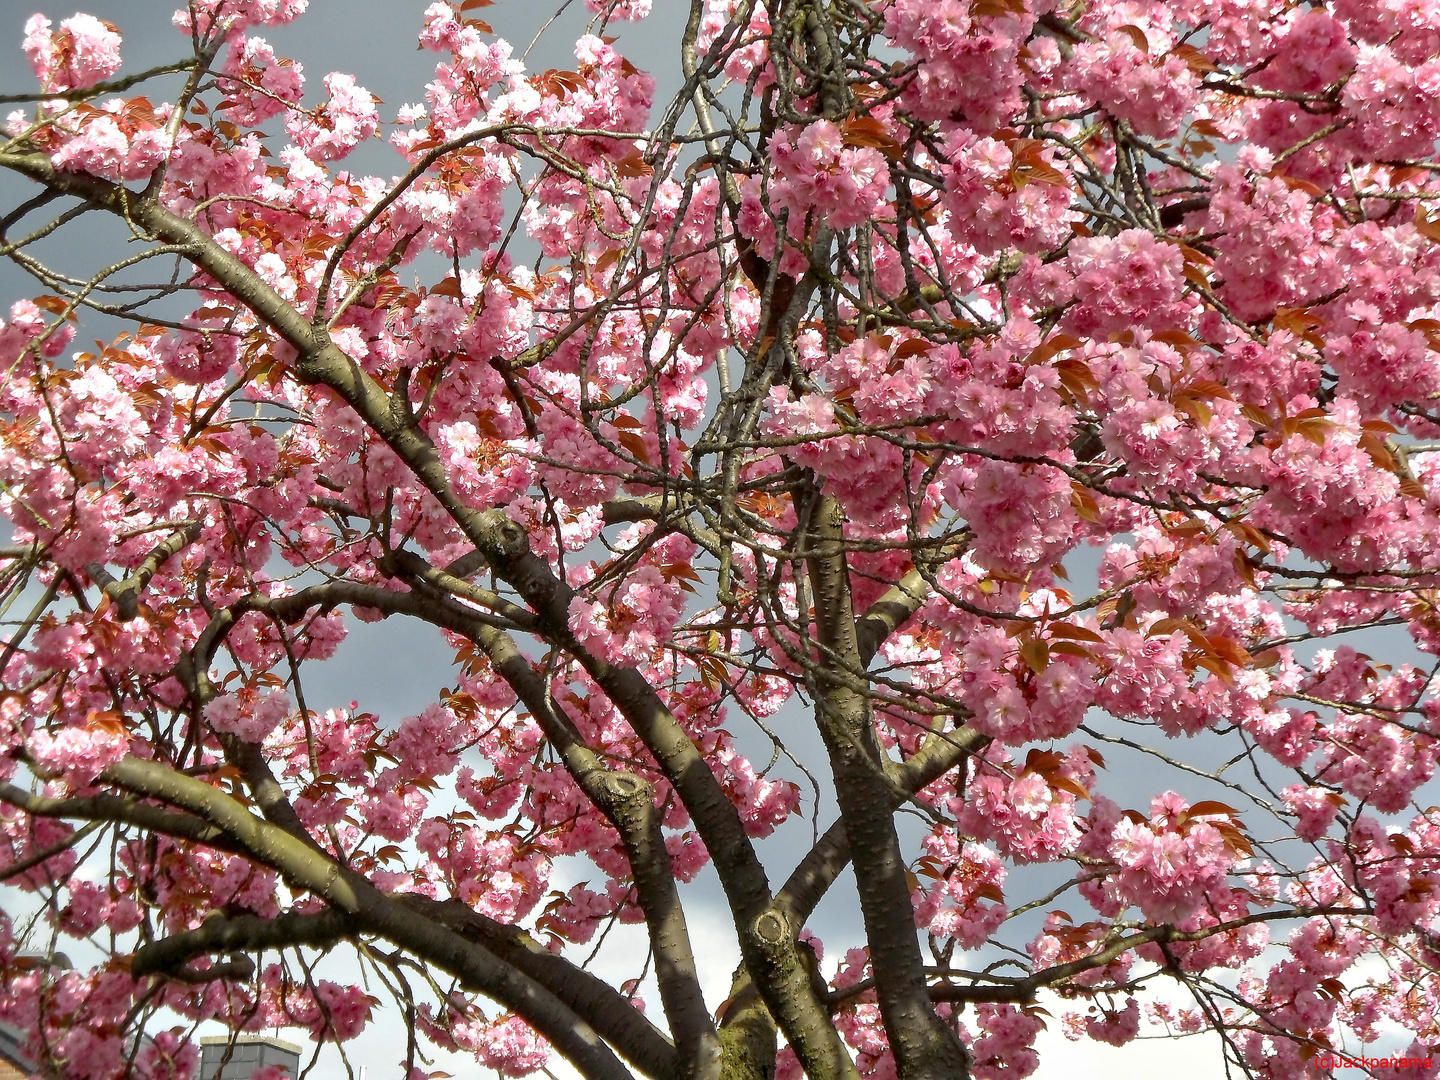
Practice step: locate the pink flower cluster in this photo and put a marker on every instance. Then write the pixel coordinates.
(507, 1044)
(816, 170)
(1376, 761)
(1153, 94)
(766, 803)
(1007, 1048)
(626, 624)
(1021, 514)
(987, 208)
(78, 754)
(752, 58)
(115, 142)
(247, 715)
(1123, 281)
(211, 17)
(1315, 52)
(167, 1055)
(330, 1011)
(1354, 515)
(1168, 864)
(1273, 244)
(964, 875)
(260, 84)
(967, 64)
(626, 10)
(79, 1027)
(81, 53)
(1030, 816)
(1314, 808)
(1116, 1027)
(335, 128)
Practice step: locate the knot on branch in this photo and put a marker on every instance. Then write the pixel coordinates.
(626, 789)
(316, 359)
(501, 538)
(774, 936)
(629, 802)
(125, 595)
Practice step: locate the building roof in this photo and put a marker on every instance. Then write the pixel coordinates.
(13, 1062)
(243, 1039)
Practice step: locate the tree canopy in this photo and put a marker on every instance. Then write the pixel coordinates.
(933, 440)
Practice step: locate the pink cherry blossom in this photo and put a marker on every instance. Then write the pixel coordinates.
(336, 127)
(80, 755)
(81, 53)
(262, 84)
(988, 413)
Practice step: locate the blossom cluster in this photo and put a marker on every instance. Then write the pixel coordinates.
(633, 415)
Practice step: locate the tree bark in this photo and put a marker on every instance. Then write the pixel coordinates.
(925, 1048)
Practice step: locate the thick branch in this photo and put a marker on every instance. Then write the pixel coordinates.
(650, 862)
(940, 753)
(238, 934)
(303, 867)
(679, 982)
(507, 547)
(830, 855)
(125, 595)
(319, 361)
(628, 803)
(121, 809)
(607, 1010)
(109, 86)
(788, 993)
(924, 1047)
(887, 614)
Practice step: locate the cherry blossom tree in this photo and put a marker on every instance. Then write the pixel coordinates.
(956, 397)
